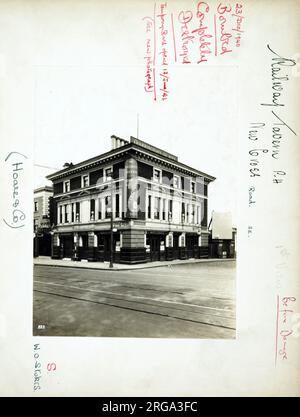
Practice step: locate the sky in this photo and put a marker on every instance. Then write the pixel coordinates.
(89, 85)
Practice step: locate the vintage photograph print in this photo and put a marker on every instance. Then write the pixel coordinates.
(134, 203)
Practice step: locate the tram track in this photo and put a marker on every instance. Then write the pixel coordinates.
(211, 316)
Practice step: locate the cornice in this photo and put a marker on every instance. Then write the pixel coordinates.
(120, 153)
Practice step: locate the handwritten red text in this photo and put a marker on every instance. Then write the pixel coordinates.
(283, 328)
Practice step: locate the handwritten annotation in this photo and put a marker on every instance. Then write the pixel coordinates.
(266, 139)
(37, 373)
(284, 329)
(15, 164)
(38, 369)
(186, 37)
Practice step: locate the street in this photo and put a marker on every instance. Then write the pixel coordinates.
(179, 301)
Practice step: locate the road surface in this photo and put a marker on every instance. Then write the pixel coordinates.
(180, 301)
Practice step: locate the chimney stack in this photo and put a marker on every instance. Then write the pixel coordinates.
(117, 142)
(113, 142)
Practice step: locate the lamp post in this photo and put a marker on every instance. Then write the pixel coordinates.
(34, 245)
(36, 235)
(51, 234)
(111, 265)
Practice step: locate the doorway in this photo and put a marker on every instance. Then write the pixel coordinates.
(66, 242)
(154, 247)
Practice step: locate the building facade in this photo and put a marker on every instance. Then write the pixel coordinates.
(158, 207)
(223, 248)
(42, 210)
(222, 238)
(43, 219)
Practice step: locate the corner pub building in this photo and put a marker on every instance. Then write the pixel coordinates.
(158, 204)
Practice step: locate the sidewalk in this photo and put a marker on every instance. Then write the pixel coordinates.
(45, 260)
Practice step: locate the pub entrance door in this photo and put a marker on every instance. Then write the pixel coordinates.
(176, 246)
(154, 247)
(191, 243)
(66, 243)
(106, 245)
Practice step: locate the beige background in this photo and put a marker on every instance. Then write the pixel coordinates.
(39, 41)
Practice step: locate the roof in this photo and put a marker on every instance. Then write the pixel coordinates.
(45, 188)
(135, 145)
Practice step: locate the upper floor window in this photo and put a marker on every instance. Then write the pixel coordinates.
(92, 209)
(156, 207)
(205, 190)
(156, 175)
(108, 207)
(60, 214)
(149, 206)
(164, 209)
(67, 186)
(85, 181)
(108, 173)
(193, 214)
(193, 187)
(182, 212)
(198, 215)
(170, 212)
(77, 212)
(72, 213)
(117, 206)
(66, 213)
(176, 181)
(36, 207)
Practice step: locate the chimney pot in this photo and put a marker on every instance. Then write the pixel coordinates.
(113, 142)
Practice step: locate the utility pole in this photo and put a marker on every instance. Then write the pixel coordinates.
(111, 265)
